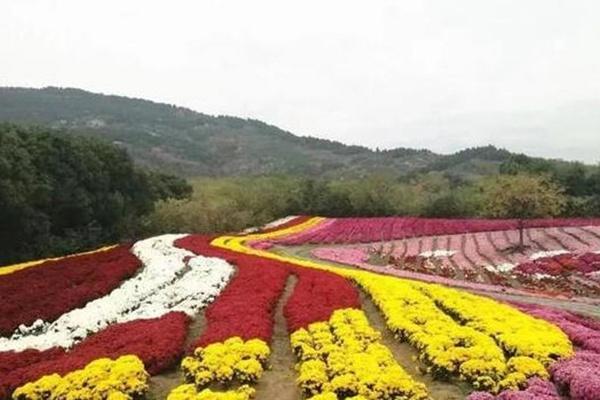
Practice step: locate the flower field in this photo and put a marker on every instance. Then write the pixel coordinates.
(312, 308)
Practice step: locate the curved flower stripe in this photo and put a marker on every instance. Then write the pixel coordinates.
(123, 378)
(246, 306)
(157, 342)
(344, 357)
(169, 281)
(49, 290)
(9, 269)
(558, 346)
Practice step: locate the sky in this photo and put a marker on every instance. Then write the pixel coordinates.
(437, 74)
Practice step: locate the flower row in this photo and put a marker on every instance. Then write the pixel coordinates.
(157, 342)
(364, 230)
(343, 358)
(171, 279)
(121, 379)
(57, 286)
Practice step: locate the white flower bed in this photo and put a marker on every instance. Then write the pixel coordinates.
(438, 253)
(506, 267)
(550, 253)
(166, 283)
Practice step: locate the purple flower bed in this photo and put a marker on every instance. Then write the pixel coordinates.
(537, 389)
(578, 376)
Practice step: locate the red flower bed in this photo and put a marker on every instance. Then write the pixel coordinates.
(363, 230)
(246, 307)
(316, 296)
(157, 342)
(49, 290)
(561, 264)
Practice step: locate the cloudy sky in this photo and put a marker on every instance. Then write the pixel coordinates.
(439, 74)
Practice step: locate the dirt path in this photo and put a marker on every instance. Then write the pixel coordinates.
(161, 385)
(405, 355)
(279, 382)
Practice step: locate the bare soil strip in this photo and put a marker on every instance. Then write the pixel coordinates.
(279, 382)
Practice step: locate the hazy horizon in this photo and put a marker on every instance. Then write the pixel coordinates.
(520, 75)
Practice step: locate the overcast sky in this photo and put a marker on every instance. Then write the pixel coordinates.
(522, 74)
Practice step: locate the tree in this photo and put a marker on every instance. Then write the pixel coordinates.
(522, 197)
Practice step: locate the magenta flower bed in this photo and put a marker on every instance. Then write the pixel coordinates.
(362, 230)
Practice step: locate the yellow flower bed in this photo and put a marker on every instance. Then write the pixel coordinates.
(518, 333)
(224, 362)
(447, 347)
(9, 269)
(231, 361)
(124, 378)
(343, 358)
(189, 392)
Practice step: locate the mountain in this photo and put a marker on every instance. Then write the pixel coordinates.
(179, 140)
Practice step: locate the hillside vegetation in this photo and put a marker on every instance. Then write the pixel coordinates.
(185, 142)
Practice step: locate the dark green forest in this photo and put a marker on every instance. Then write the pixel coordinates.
(62, 193)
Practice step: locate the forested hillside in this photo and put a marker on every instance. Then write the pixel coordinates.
(182, 141)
